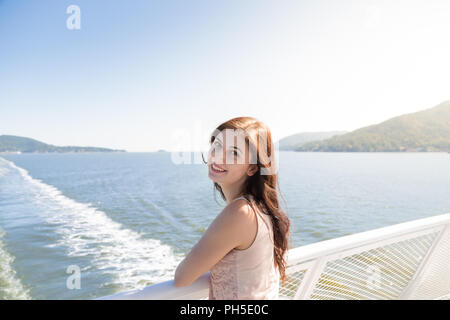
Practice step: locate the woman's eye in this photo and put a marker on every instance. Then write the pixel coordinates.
(233, 152)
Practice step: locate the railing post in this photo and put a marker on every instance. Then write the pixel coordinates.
(312, 275)
(418, 275)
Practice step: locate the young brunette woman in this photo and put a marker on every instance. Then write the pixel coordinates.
(244, 247)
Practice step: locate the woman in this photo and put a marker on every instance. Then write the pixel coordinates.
(244, 247)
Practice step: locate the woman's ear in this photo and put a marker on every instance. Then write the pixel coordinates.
(252, 169)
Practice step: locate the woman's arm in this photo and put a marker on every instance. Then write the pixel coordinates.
(228, 231)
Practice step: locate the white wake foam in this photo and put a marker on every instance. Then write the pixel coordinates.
(11, 288)
(85, 231)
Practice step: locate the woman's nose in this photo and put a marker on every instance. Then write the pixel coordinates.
(217, 157)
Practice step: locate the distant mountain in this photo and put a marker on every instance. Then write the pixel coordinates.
(22, 144)
(427, 130)
(296, 140)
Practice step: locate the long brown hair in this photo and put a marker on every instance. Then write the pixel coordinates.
(263, 187)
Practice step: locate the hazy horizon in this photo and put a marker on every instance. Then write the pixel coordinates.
(140, 76)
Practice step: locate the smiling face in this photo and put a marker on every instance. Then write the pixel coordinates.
(229, 161)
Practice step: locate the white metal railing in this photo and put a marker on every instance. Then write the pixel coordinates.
(409, 260)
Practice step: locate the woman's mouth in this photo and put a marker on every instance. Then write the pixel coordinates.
(216, 169)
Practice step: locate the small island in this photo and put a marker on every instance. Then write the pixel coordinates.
(16, 144)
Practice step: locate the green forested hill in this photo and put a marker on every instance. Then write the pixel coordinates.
(294, 141)
(14, 143)
(427, 130)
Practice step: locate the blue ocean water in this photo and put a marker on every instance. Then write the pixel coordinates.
(127, 219)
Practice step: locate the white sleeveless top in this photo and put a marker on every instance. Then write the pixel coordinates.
(248, 274)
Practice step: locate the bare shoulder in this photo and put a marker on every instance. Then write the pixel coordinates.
(240, 214)
(239, 208)
(244, 222)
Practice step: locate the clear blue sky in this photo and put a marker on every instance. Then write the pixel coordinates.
(138, 73)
